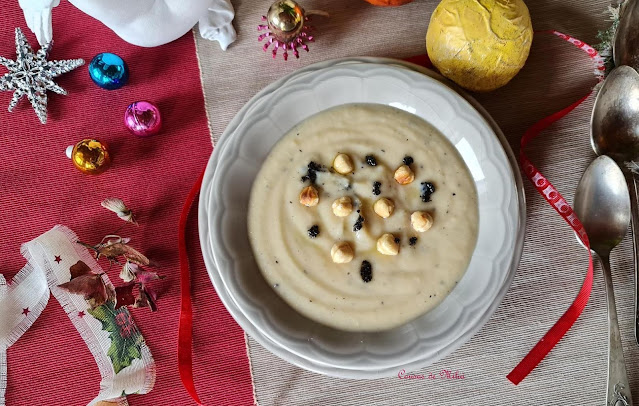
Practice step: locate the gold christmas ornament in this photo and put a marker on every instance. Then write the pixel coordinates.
(90, 156)
(285, 20)
(287, 28)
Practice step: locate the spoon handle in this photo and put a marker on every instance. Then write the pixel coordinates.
(632, 181)
(618, 389)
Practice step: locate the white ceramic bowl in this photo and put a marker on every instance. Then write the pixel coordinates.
(257, 308)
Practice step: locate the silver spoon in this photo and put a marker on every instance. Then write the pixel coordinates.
(614, 131)
(602, 204)
(625, 48)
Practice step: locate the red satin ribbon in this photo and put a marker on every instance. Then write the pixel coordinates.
(554, 198)
(185, 326)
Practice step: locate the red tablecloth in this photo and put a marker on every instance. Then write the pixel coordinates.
(39, 187)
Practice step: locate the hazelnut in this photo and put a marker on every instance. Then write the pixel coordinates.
(404, 175)
(343, 206)
(343, 164)
(421, 221)
(309, 196)
(387, 245)
(342, 252)
(384, 207)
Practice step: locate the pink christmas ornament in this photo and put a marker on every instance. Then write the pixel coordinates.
(143, 119)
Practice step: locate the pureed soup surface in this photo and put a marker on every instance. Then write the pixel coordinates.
(386, 290)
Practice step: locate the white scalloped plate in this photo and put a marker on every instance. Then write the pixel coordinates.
(256, 307)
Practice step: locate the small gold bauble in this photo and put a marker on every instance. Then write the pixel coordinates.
(285, 19)
(91, 156)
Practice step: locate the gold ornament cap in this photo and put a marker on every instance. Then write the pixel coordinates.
(91, 156)
(285, 20)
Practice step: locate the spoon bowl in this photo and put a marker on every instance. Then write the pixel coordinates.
(626, 45)
(615, 116)
(602, 203)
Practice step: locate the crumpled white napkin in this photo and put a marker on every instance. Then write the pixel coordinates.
(146, 23)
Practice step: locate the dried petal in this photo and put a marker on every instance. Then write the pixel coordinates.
(112, 251)
(147, 299)
(88, 284)
(124, 295)
(146, 276)
(128, 271)
(79, 269)
(118, 207)
(112, 239)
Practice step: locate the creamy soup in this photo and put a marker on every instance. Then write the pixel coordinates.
(378, 265)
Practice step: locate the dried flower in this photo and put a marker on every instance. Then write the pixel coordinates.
(128, 271)
(117, 251)
(147, 298)
(112, 239)
(113, 251)
(118, 207)
(113, 246)
(89, 284)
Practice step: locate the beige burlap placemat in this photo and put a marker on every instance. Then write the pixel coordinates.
(553, 264)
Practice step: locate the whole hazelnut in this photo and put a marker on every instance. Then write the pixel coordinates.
(343, 164)
(384, 207)
(309, 196)
(421, 221)
(343, 206)
(404, 175)
(342, 252)
(388, 245)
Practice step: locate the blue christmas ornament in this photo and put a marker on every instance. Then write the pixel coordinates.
(108, 71)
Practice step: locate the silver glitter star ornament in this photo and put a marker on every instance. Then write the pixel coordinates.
(32, 75)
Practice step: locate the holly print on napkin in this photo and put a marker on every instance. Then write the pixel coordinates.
(126, 339)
